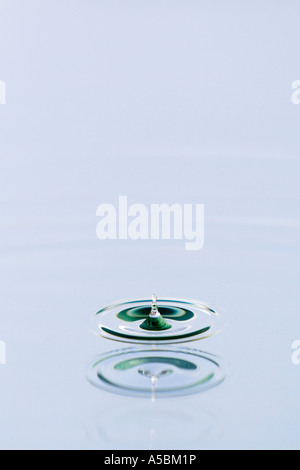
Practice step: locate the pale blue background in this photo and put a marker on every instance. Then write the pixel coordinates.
(162, 101)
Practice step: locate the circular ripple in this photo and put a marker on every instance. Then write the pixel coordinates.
(153, 425)
(156, 372)
(189, 320)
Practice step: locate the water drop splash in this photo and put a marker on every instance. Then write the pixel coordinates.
(155, 321)
(154, 310)
(141, 321)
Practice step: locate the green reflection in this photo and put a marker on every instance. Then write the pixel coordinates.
(130, 363)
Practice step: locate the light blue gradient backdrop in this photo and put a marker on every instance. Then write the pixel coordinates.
(162, 101)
